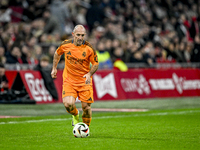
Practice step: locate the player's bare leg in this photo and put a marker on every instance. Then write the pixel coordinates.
(69, 103)
(87, 113)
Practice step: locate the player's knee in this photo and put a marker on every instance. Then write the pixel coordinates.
(68, 102)
(86, 108)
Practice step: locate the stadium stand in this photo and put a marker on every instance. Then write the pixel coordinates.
(151, 33)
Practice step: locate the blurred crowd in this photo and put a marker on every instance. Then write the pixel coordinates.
(130, 31)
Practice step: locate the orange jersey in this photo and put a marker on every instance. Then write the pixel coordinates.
(77, 61)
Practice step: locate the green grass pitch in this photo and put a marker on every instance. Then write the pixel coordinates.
(169, 124)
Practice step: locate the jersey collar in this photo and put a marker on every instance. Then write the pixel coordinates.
(82, 43)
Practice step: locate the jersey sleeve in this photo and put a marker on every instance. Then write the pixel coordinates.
(93, 57)
(60, 49)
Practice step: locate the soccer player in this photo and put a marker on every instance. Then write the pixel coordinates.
(77, 74)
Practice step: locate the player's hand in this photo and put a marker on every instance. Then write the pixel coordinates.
(54, 73)
(87, 76)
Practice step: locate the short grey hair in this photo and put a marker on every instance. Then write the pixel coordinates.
(78, 26)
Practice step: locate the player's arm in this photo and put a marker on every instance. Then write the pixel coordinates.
(90, 73)
(95, 64)
(93, 69)
(56, 59)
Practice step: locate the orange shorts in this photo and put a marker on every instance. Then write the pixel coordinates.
(84, 93)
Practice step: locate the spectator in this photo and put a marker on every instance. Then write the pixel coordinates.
(95, 15)
(170, 53)
(109, 31)
(108, 45)
(188, 50)
(51, 52)
(119, 63)
(99, 32)
(26, 31)
(103, 56)
(37, 52)
(181, 28)
(27, 56)
(180, 52)
(32, 43)
(61, 12)
(29, 11)
(43, 62)
(2, 42)
(194, 29)
(118, 53)
(160, 53)
(3, 79)
(51, 23)
(39, 7)
(149, 53)
(195, 54)
(45, 71)
(80, 17)
(14, 56)
(137, 57)
(2, 55)
(5, 16)
(167, 25)
(37, 27)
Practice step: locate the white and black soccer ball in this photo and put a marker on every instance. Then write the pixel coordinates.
(81, 130)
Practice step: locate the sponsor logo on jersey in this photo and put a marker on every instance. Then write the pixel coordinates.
(74, 60)
(69, 53)
(84, 54)
(90, 99)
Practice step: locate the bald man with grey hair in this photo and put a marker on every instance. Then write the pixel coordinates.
(77, 74)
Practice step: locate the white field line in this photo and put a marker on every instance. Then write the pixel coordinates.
(106, 117)
(116, 110)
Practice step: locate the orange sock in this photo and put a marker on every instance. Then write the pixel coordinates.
(74, 111)
(87, 121)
